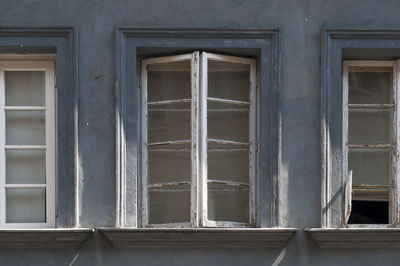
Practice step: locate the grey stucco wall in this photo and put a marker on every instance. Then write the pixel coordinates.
(300, 23)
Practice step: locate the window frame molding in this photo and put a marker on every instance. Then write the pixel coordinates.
(63, 42)
(128, 40)
(333, 41)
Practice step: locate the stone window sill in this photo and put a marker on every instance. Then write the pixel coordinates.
(198, 237)
(44, 238)
(355, 237)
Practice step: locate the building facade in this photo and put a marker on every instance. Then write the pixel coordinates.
(199, 133)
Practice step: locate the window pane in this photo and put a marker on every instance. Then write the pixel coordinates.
(370, 127)
(228, 164)
(169, 205)
(25, 88)
(227, 123)
(169, 163)
(371, 167)
(25, 128)
(370, 85)
(228, 203)
(26, 205)
(169, 122)
(228, 80)
(25, 167)
(169, 81)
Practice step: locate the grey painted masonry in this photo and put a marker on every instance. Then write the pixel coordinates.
(85, 35)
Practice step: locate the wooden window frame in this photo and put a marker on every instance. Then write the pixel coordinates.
(349, 187)
(199, 180)
(44, 63)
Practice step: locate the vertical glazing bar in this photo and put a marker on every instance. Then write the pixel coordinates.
(195, 132)
(395, 157)
(143, 91)
(203, 138)
(50, 143)
(253, 141)
(345, 118)
(2, 149)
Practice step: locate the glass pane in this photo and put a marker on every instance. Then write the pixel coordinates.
(25, 128)
(370, 127)
(228, 124)
(26, 167)
(169, 163)
(25, 205)
(228, 164)
(169, 81)
(371, 167)
(169, 205)
(228, 80)
(25, 88)
(228, 203)
(370, 85)
(166, 123)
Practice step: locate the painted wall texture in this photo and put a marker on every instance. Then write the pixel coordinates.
(299, 22)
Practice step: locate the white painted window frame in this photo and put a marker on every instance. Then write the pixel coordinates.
(199, 77)
(392, 189)
(44, 63)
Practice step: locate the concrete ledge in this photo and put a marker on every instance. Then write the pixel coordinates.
(356, 237)
(44, 238)
(198, 237)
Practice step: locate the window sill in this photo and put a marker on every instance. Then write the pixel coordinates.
(356, 237)
(198, 237)
(44, 238)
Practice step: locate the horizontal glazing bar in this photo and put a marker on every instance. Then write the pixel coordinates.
(229, 183)
(169, 142)
(372, 187)
(25, 147)
(169, 110)
(208, 110)
(370, 146)
(164, 189)
(219, 100)
(227, 150)
(370, 106)
(170, 150)
(169, 102)
(25, 185)
(167, 184)
(25, 108)
(220, 141)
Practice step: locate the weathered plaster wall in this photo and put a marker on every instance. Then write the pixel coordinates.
(299, 21)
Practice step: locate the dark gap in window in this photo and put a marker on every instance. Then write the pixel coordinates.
(145, 52)
(369, 212)
(27, 50)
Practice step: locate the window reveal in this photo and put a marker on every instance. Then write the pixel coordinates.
(198, 140)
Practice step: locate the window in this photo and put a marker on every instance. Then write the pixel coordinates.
(370, 141)
(133, 46)
(198, 140)
(27, 142)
